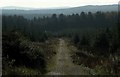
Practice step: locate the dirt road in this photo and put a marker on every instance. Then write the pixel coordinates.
(64, 65)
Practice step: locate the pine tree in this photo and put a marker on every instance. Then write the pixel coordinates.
(101, 44)
(76, 39)
(84, 43)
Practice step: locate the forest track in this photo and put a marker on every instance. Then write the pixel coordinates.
(63, 63)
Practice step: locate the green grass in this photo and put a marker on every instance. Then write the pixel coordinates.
(21, 71)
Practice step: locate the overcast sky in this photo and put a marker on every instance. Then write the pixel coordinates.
(54, 3)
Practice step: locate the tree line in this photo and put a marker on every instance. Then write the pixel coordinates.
(59, 23)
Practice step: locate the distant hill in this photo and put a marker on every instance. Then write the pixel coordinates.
(36, 12)
(29, 8)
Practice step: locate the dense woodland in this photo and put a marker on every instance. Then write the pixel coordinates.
(84, 22)
(97, 34)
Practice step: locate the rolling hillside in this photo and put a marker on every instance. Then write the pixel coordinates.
(31, 12)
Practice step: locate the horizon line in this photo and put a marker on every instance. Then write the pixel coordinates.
(62, 7)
